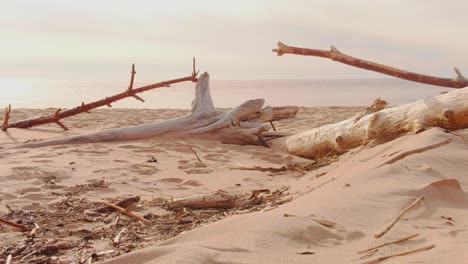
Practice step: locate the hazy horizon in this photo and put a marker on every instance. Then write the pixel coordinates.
(231, 40)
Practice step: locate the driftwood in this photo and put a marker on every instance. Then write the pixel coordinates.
(248, 124)
(389, 243)
(241, 125)
(402, 212)
(20, 227)
(124, 211)
(448, 111)
(418, 250)
(59, 114)
(219, 199)
(334, 54)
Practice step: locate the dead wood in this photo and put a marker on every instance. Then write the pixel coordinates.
(378, 125)
(218, 199)
(129, 92)
(126, 212)
(244, 124)
(7, 118)
(418, 250)
(402, 212)
(334, 54)
(389, 243)
(20, 227)
(123, 204)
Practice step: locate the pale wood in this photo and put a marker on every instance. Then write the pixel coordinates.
(389, 243)
(334, 54)
(244, 124)
(402, 212)
(418, 250)
(448, 111)
(218, 199)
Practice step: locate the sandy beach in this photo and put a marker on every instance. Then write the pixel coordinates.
(322, 215)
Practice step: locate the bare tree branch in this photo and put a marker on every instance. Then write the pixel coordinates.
(334, 54)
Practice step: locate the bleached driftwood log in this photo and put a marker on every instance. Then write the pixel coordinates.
(448, 111)
(245, 124)
(241, 125)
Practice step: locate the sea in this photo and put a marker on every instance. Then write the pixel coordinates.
(42, 93)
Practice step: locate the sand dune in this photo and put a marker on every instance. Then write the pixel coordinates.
(336, 209)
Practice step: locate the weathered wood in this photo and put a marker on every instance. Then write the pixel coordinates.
(241, 125)
(7, 118)
(130, 92)
(334, 54)
(219, 199)
(448, 111)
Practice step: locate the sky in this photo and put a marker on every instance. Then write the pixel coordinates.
(232, 40)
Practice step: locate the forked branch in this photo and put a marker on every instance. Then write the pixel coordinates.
(59, 114)
(334, 54)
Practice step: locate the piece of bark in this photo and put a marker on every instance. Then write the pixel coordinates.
(402, 212)
(130, 92)
(334, 54)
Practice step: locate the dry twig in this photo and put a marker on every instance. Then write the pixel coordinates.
(20, 227)
(130, 92)
(418, 250)
(128, 213)
(388, 243)
(7, 118)
(402, 212)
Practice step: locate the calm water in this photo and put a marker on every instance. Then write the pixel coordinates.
(47, 93)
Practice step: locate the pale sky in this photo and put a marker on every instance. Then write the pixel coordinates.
(93, 39)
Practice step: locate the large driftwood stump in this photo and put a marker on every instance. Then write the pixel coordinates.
(448, 111)
(241, 125)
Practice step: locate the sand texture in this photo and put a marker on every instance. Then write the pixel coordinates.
(323, 213)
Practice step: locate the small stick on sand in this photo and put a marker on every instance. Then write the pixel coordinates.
(21, 227)
(9, 258)
(388, 243)
(196, 154)
(402, 212)
(119, 236)
(128, 213)
(418, 250)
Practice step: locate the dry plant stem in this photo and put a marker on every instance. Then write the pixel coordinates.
(128, 213)
(130, 92)
(119, 236)
(218, 199)
(418, 250)
(20, 227)
(458, 82)
(7, 118)
(196, 155)
(389, 243)
(402, 212)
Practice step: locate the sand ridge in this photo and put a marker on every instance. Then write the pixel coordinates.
(336, 209)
